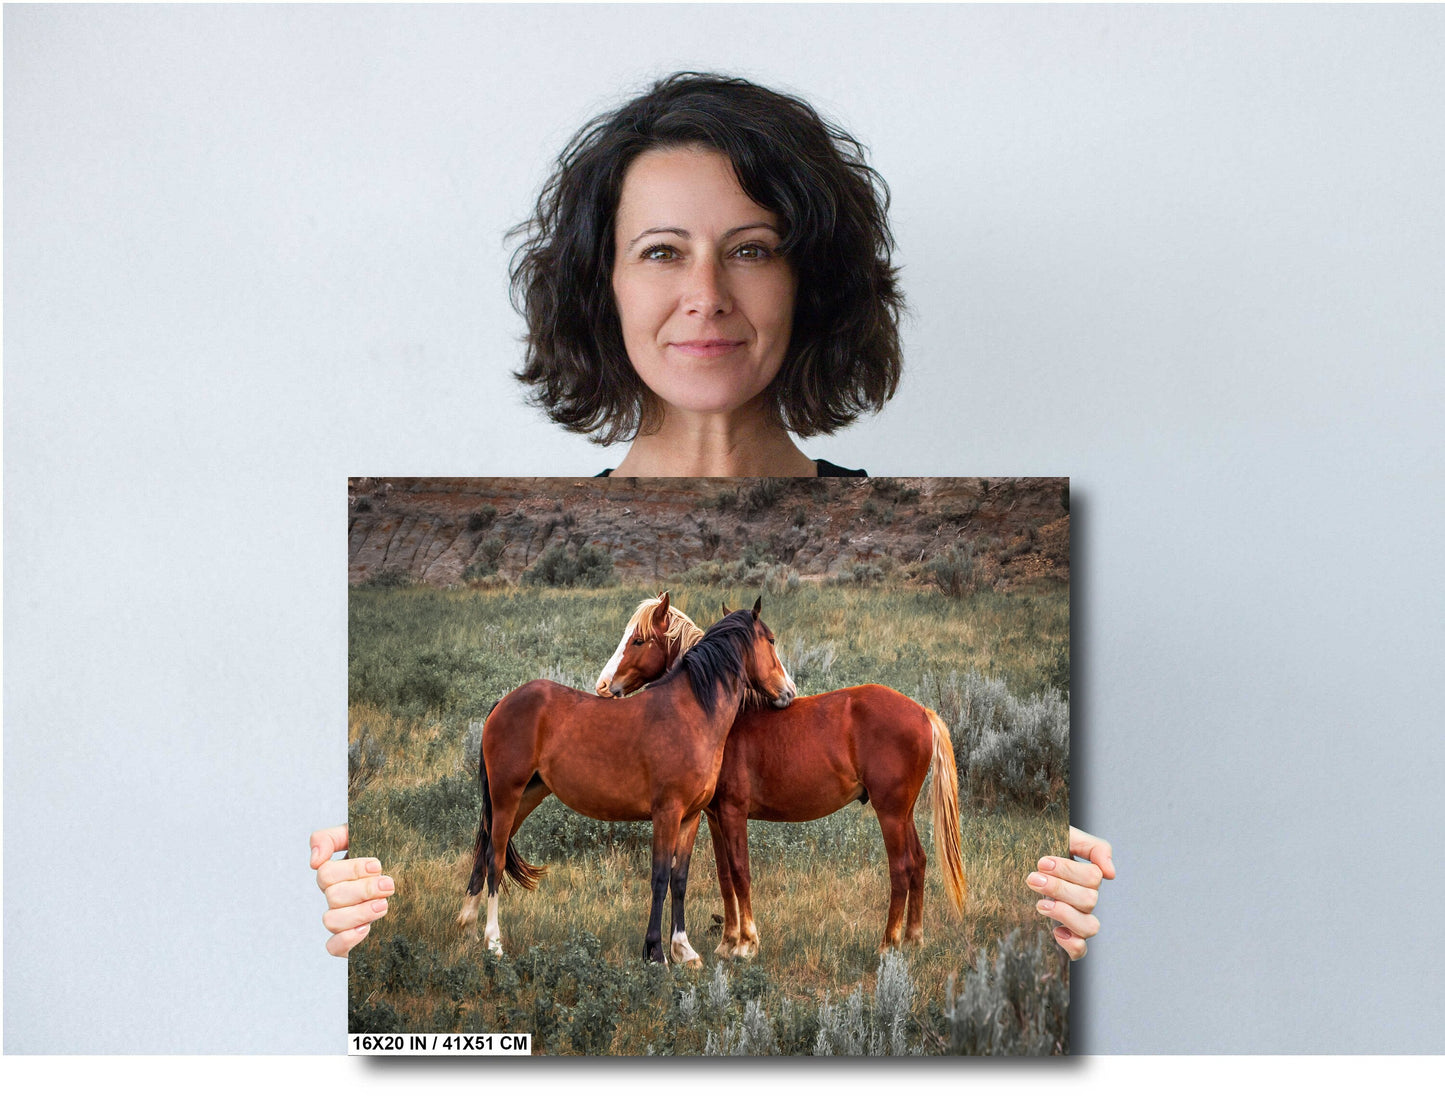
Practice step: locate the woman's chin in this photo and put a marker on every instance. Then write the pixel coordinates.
(707, 400)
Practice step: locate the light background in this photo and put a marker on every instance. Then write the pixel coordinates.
(1192, 258)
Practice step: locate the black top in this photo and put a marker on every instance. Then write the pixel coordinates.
(825, 470)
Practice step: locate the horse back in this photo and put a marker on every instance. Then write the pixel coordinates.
(821, 752)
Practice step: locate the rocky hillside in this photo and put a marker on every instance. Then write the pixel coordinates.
(446, 531)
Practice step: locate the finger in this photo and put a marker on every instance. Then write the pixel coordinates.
(334, 871)
(326, 842)
(351, 917)
(1075, 871)
(1093, 849)
(1082, 926)
(342, 943)
(1080, 898)
(1070, 942)
(350, 892)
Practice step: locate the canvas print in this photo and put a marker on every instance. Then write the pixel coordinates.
(711, 766)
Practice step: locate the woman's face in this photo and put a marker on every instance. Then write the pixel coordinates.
(705, 300)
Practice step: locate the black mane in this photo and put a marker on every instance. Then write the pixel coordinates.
(717, 658)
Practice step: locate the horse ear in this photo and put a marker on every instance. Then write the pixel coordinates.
(659, 615)
(758, 607)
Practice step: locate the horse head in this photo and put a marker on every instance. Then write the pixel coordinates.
(765, 671)
(648, 648)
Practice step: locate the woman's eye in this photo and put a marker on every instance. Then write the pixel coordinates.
(753, 252)
(659, 253)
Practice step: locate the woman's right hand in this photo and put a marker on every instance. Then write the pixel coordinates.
(356, 890)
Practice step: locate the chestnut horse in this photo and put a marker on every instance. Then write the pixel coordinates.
(655, 760)
(867, 743)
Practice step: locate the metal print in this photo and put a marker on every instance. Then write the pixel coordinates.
(710, 766)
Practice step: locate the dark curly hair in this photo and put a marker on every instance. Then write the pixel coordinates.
(844, 356)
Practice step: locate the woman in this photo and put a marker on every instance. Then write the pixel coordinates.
(707, 275)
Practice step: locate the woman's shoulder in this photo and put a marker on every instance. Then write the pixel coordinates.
(825, 470)
(833, 470)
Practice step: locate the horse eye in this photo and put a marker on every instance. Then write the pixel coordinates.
(637, 641)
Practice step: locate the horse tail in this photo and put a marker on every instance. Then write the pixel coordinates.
(947, 833)
(482, 850)
(524, 874)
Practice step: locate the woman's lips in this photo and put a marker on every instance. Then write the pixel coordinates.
(705, 347)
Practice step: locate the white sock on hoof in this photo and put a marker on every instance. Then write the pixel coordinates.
(682, 952)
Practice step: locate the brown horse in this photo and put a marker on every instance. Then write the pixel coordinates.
(656, 760)
(867, 743)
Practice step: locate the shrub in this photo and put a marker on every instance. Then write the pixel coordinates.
(780, 579)
(1017, 1004)
(1009, 751)
(480, 520)
(955, 571)
(364, 758)
(374, 1017)
(876, 1028)
(861, 573)
(761, 496)
(444, 813)
(389, 578)
(559, 566)
(488, 555)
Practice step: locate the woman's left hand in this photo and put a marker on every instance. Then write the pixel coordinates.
(1070, 889)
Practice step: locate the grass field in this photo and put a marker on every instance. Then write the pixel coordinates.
(426, 664)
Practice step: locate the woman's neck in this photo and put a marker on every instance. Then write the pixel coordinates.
(746, 443)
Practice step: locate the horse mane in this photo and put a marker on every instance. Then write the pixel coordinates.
(687, 633)
(680, 628)
(716, 659)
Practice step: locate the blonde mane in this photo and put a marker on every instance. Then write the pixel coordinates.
(680, 628)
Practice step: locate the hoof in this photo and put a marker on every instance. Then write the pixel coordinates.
(683, 953)
(494, 946)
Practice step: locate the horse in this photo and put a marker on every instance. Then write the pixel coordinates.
(657, 760)
(867, 743)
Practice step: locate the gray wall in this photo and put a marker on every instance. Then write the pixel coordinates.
(1193, 258)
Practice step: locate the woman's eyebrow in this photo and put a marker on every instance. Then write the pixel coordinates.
(684, 235)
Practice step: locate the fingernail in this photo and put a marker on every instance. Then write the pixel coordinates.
(1046, 904)
(373, 866)
(386, 884)
(361, 930)
(379, 906)
(1046, 864)
(1037, 880)
(315, 854)
(1062, 933)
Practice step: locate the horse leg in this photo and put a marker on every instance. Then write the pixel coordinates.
(535, 793)
(895, 843)
(913, 930)
(665, 825)
(734, 820)
(682, 952)
(505, 804)
(729, 942)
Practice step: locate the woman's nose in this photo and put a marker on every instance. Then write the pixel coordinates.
(707, 291)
